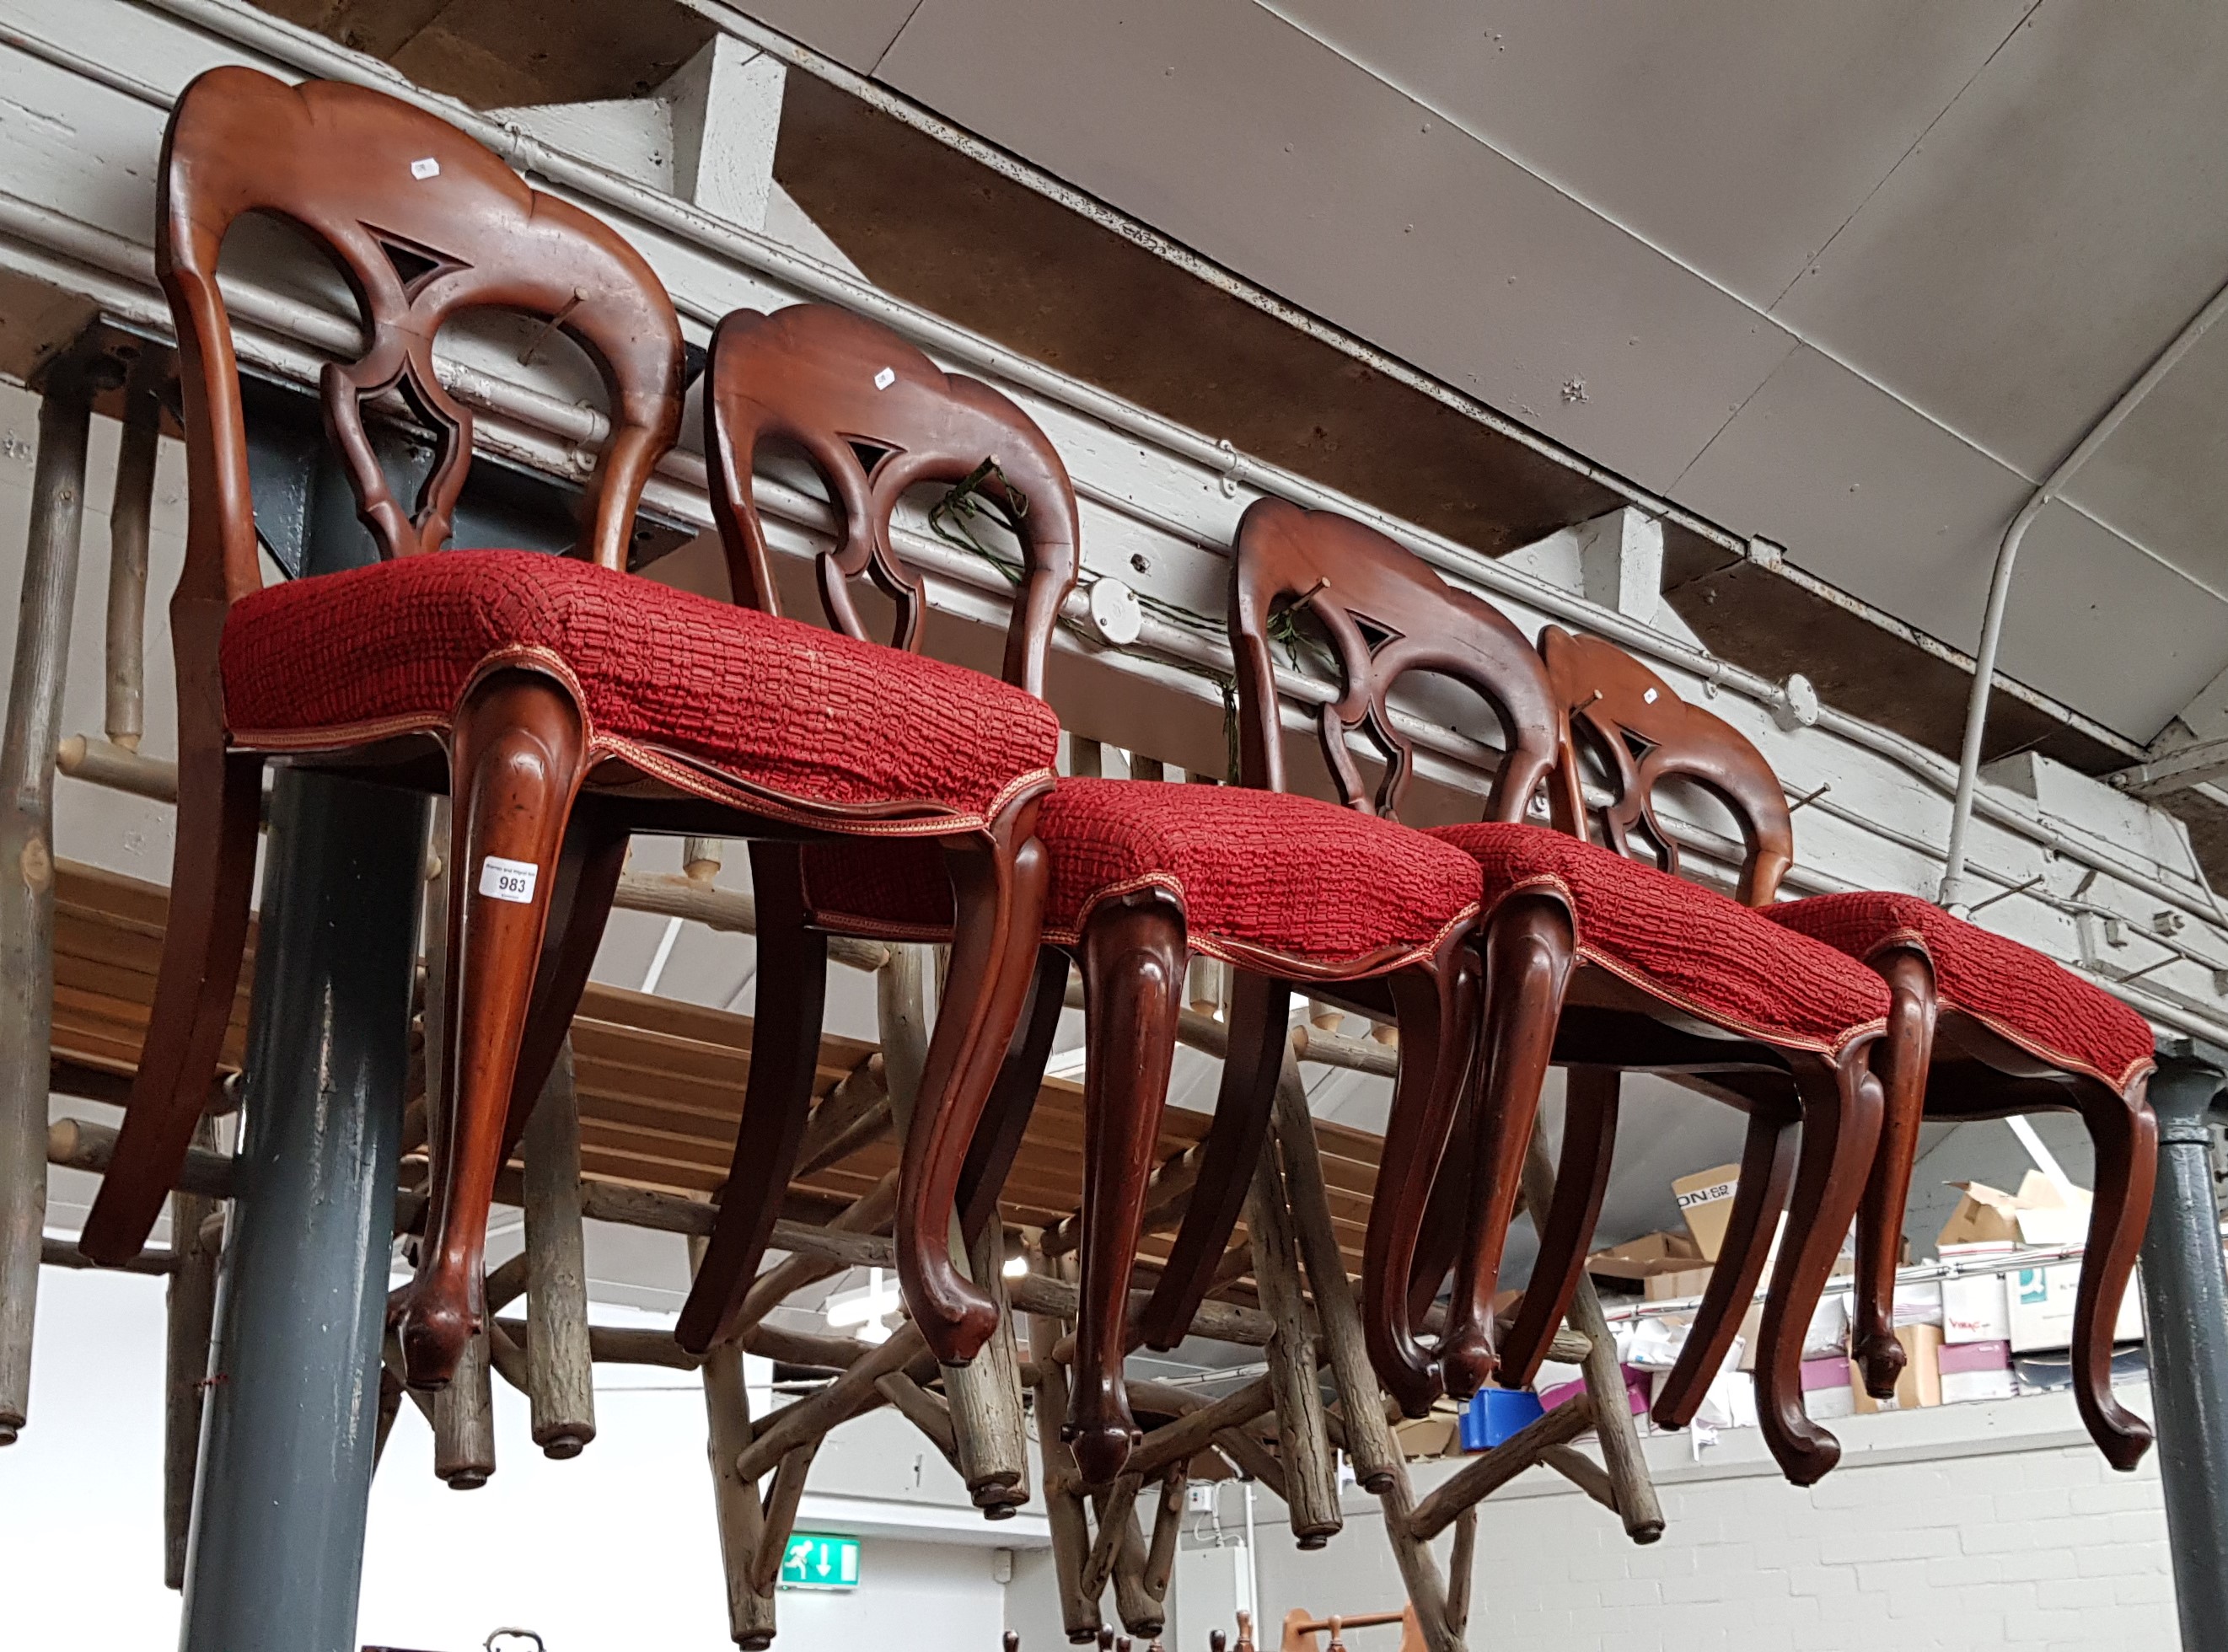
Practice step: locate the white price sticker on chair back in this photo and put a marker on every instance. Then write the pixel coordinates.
(508, 879)
(428, 168)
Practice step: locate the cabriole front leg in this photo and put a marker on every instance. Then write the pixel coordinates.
(1133, 956)
(517, 756)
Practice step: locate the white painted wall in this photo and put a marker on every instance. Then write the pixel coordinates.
(1966, 1526)
(613, 1551)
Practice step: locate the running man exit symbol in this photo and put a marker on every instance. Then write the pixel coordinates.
(815, 1561)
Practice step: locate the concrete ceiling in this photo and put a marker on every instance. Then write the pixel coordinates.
(1850, 278)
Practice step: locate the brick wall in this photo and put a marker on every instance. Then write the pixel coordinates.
(1964, 1526)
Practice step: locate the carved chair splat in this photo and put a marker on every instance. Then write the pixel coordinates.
(1980, 1027)
(563, 702)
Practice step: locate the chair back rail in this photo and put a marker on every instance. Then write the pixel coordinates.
(1386, 613)
(424, 223)
(875, 417)
(1643, 733)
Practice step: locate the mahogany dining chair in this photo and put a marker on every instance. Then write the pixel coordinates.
(1140, 875)
(1980, 1027)
(1604, 964)
(561, 701)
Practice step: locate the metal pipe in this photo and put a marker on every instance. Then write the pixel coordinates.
(290, 47)
(26, 872)
(2000, 582)
(277, 1552)
(2185, 1307)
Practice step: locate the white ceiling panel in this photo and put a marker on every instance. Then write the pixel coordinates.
(2054, 230)
(2162, 478)
(1890, 508)
(2099, 624)
(1239, 135)
(854, 33)
(1738, 137)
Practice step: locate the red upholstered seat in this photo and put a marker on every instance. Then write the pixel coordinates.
(722, 701)
(1689, 945)
(2014, 990)
(1256, 871)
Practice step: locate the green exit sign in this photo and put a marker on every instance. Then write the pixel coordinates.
(816, 1560)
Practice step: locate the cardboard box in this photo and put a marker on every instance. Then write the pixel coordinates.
(1645, 1257)
(1705, 1200)
(1977, 1309)
(1920, 1382)
(1827, 1392)
(2042, 1299)
(1976, 1371)
(2037, 1214)
(1679, 1282)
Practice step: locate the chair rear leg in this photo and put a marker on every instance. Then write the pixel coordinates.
(1590, 1104)
(1529, 948)
(1767, 1166)
(1901, 1061)
(1840, 1132)
(1013, 1097)
(517, 755)
(1437, 1009)
(2126, 1134)
(998, 906)
(1445, 1217)
(792, 983)
(1133, 955)
(212, 876)
(1252, 1062)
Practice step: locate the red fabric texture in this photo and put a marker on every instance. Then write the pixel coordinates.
(2030, 999)
(1256, 872)
(777, 706)
(1726, 963)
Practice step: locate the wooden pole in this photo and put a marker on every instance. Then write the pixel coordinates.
(781, 1502)
(1623, 1461)
(989, 1442)
(190, 1315)
(734, 1499)
(1309, 1486)
(1460, 1567)
(464, 1420)
(809, 1419)
(869, 1212)
(1486, 1472)
(129, 513)
(1114, 1504)
(560, 1382)
(26, 872)
(1141, 1611)
(929, 1413)
(1376, 1453)
(990, 1439)
(1071, 1533)
(1167, 1526)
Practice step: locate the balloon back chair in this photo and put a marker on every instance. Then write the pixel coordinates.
(562, 701)
(1140, 875)
(1605, 964)
(1979, 1027)
(874, 417)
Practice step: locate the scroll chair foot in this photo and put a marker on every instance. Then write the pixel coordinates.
(2125, 1131)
